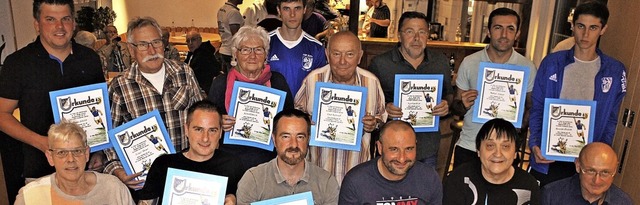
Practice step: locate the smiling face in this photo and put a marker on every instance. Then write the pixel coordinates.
(397, 147)
(291, 140)
(344, 53)
(252, 62)
(411, 41)
(503, 32)
(68, 167)
(204, 132)
(55, 26)
(497, 154)
(586, 30)
(150, 60)
(291, 14)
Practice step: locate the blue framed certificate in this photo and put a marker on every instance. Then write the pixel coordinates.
(305, 198)
(502, 91)
(87, 106)
(190, 188)
(254, 107)
(567, 126)
(140, 141)
(338, 111)
(417, 95)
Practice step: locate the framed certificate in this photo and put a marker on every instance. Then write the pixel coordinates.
(417, 95)
(190, 188)
(254, 107)
(140, 141)
(502, 89)
(338, 111)
(87, 106)
(567, 126)
(305, 198)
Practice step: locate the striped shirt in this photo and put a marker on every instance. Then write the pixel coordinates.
(132, 96)
(336, 161)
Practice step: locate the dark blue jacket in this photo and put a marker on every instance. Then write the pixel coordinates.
(610, 88)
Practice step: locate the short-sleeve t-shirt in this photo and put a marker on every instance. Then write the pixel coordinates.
(227, 15)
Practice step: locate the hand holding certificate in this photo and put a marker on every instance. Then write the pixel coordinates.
(566, 128)
(254, 107)
(139, 142)
(501, 93)
(338, 111)
(87, 106)
(417, 95)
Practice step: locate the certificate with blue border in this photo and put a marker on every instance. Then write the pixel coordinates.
(567, 126)
(254, 107)
(417, 95)
(140, 141)
(502, 91)
(304, 198)
(87, 106)
(192, 188)
(338, 111)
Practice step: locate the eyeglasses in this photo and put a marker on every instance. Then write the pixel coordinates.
(412, 32)
(62, 153)
(189, 40)
(247, 50)
(592, 172)
(143, 45)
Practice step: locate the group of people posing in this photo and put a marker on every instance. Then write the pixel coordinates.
(397, 167)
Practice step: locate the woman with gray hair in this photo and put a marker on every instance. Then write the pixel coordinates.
(85, 38)
(249, 49)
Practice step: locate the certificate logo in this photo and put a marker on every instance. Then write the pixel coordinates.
(179, 185)
(246, 96)
(493, 76)
(68, 104)
(557, 112)
(407, 87)
(328, 97)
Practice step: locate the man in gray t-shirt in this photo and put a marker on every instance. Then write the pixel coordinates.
(503, 30)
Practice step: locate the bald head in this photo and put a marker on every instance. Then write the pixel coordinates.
(390, 128)
(598, 150)
(342, 37)
(194, 40)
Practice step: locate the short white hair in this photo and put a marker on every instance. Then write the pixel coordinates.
(85, 38)
(249, 32)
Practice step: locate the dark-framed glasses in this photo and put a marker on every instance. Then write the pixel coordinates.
(604, 174)
(62, 153)
(143, 45)
(248, 50)
(412, 32)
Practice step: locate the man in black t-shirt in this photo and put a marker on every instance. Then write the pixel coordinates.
(204, 129)
(380, 19)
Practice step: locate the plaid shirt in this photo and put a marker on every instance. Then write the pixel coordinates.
(336, 161)
(132, 96)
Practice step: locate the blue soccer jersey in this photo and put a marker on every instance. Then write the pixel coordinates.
(295, 59)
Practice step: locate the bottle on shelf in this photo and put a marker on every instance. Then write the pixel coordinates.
(458, 34)
(391, 30)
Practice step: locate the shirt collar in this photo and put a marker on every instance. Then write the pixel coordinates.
(329, 78)
(280, 179)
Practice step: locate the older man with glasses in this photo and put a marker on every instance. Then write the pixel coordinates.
(68, 152)
(201, 58)
(153, 82)
(596, 167)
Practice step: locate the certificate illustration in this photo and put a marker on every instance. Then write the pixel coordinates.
(254, 107)
(338, 111)
(304, 198)
(190, 188)
(566, 128)
(417, 95)
(87, 106)
(502, 91)
(140, 141)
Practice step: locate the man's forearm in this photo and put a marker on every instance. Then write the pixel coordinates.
(15, 129)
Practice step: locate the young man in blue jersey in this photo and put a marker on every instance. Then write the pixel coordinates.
(293, 52)
(562, 75)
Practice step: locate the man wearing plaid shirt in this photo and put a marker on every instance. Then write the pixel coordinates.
(152, 83)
